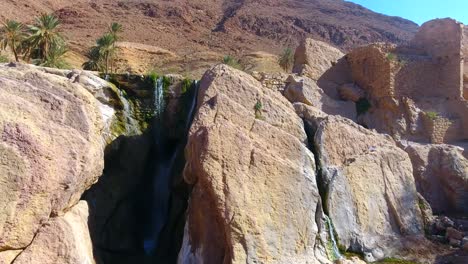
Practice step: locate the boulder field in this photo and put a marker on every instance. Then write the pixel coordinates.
(350, 159)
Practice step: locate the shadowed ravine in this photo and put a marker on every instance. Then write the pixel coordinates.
(137, 209)
(163, 170)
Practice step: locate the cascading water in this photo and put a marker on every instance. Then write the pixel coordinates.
(334, 248)
(192, 106)
(131, 125)
(159, 98)
(163, 170)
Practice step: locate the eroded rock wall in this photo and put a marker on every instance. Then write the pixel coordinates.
(255, 197)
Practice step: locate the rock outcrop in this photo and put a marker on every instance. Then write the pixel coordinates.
(415, 91)
(64, 239)
(441, 174)
(255, 197)
(51, 149)
(367, 184)
(313, 58)
(305, 90)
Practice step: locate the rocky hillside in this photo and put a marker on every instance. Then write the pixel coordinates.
(201, 32)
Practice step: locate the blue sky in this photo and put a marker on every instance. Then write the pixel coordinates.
(419, 11)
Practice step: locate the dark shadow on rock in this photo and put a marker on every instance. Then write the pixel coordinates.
(131, 198)
(121, 203)
(115, 202)
(458, 257)
(334, 77)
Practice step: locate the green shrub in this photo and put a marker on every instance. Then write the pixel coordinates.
(362, 106)
(286, 59)
(432, 115)
(258, 109)
(3, 59)
(395, 261)
(233, 62)
(153, 76)
(186, 85)
(391, 56)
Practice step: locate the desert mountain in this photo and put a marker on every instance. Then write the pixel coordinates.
(200, 31)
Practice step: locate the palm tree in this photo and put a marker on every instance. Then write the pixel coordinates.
(94, 62)
(106, 49)
(101, 56)
(13, 35)
(44, 36)
(55, 57)
(114, 29)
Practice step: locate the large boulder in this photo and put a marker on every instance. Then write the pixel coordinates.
(51, 150)
(255, 196)
(370, 191)
(313, 58)
(441, 174)
(63, 239)
(305, 90)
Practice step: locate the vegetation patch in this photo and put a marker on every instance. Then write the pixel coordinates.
(258, 109)
(363, 106)
(102, 56)
(432, 115)
(40, 42)
(286, 59)
(391, 56)
(166, 81)
(3, 59)
(186, 85)
(232, 62)
(395, 261)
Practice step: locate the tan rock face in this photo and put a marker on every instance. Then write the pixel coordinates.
(261, 62)
(371, 196)
(139, 58)
(64, 239)
(305, 90)
(405, 83)
(441, 174)
(50, 149)
(255, 197)
(313, 58)
(351, 92)
(7, 257)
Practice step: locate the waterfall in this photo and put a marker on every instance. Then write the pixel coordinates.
(190, 116)
(159, 97)
(163, 170)
(335, 251)
(131, 125)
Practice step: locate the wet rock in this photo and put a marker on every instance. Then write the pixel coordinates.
(371, 195)
(426, 212)
(353, 260)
